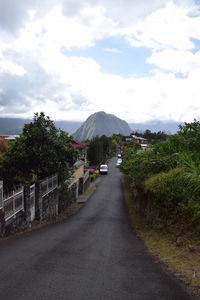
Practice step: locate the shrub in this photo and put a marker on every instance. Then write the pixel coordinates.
(170, 200)
(96, 173)
(167, 190)
(93, 176)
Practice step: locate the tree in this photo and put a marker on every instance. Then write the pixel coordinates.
(95, 151)
(190, 132)
(40, 151)
(99, 149)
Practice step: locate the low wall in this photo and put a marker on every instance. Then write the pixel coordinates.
(47, 195)
(43, 200)
(67, 195)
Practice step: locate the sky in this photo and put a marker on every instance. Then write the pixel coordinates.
(136, 59)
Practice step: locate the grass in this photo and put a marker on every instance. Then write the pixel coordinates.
(180, 260)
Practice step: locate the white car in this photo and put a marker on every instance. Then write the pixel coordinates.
(119, 161)
(119, 155)
(103, 169)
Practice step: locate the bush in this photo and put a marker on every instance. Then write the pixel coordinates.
(170, 200)
(96, 173)
(93, 176)
(166, 179)
(167, 190)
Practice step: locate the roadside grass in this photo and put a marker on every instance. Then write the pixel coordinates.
(89, 190)
(184, 263)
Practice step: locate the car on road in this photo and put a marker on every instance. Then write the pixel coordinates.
(119, 155)
(119, 161)
(103, 169)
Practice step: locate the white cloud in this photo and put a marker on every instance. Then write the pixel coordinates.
(168, 27)
(11, 68)
(36, 74)
(176, 61)
(112, 50)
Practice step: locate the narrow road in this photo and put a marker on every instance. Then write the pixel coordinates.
(92, 255)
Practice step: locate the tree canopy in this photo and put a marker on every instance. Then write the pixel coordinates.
(100, 149)
(40, 151)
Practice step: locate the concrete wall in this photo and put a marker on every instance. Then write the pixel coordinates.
(79, 172)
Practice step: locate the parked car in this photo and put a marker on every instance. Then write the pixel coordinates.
(119, 155)
(119, 161)
(103, 169)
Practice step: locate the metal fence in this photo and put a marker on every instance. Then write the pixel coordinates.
(13, 202)
(49, 184)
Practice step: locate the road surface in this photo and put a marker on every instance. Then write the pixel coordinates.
(92, 255)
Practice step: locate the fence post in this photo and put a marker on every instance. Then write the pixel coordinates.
(2, 223)
(27, 204)
(1, 194)
(38, 200)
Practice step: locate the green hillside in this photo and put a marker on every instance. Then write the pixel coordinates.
(100, 124)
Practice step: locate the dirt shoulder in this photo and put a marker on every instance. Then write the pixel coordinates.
(182, 259)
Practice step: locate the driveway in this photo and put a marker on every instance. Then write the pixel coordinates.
(92, 255)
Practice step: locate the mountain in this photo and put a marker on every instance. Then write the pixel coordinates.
(12, 125)
(68, 126)
(15, 125)
(155, 126)
(99, 124)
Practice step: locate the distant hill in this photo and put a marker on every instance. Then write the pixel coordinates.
(68, 126)
(155, 126)
(15, 125)
(12, 125)
(99, 124)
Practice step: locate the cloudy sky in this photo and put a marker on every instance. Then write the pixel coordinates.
(137, 59)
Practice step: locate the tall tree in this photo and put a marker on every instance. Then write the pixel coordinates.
(41, 150)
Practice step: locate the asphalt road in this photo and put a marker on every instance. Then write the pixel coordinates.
(93, 255)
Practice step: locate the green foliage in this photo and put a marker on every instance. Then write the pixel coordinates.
(99, 149)
(144, 164)
(94, 175)
(167, 179)
(172, 200)
(167, 189)
(190, 132)
(41, 150)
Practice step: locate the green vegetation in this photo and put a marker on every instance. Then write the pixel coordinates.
(165, 180)
(94, 174)
(101, 148)
(41, 150)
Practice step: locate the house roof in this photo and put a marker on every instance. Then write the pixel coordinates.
(78, 145)
(8, 136)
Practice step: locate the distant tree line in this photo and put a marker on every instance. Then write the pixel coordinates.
(152, 136)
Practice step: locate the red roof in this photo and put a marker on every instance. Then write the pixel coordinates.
(78, 145)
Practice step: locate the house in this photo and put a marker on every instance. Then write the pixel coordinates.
(82, 149)
(139, 140)
(8, 137)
